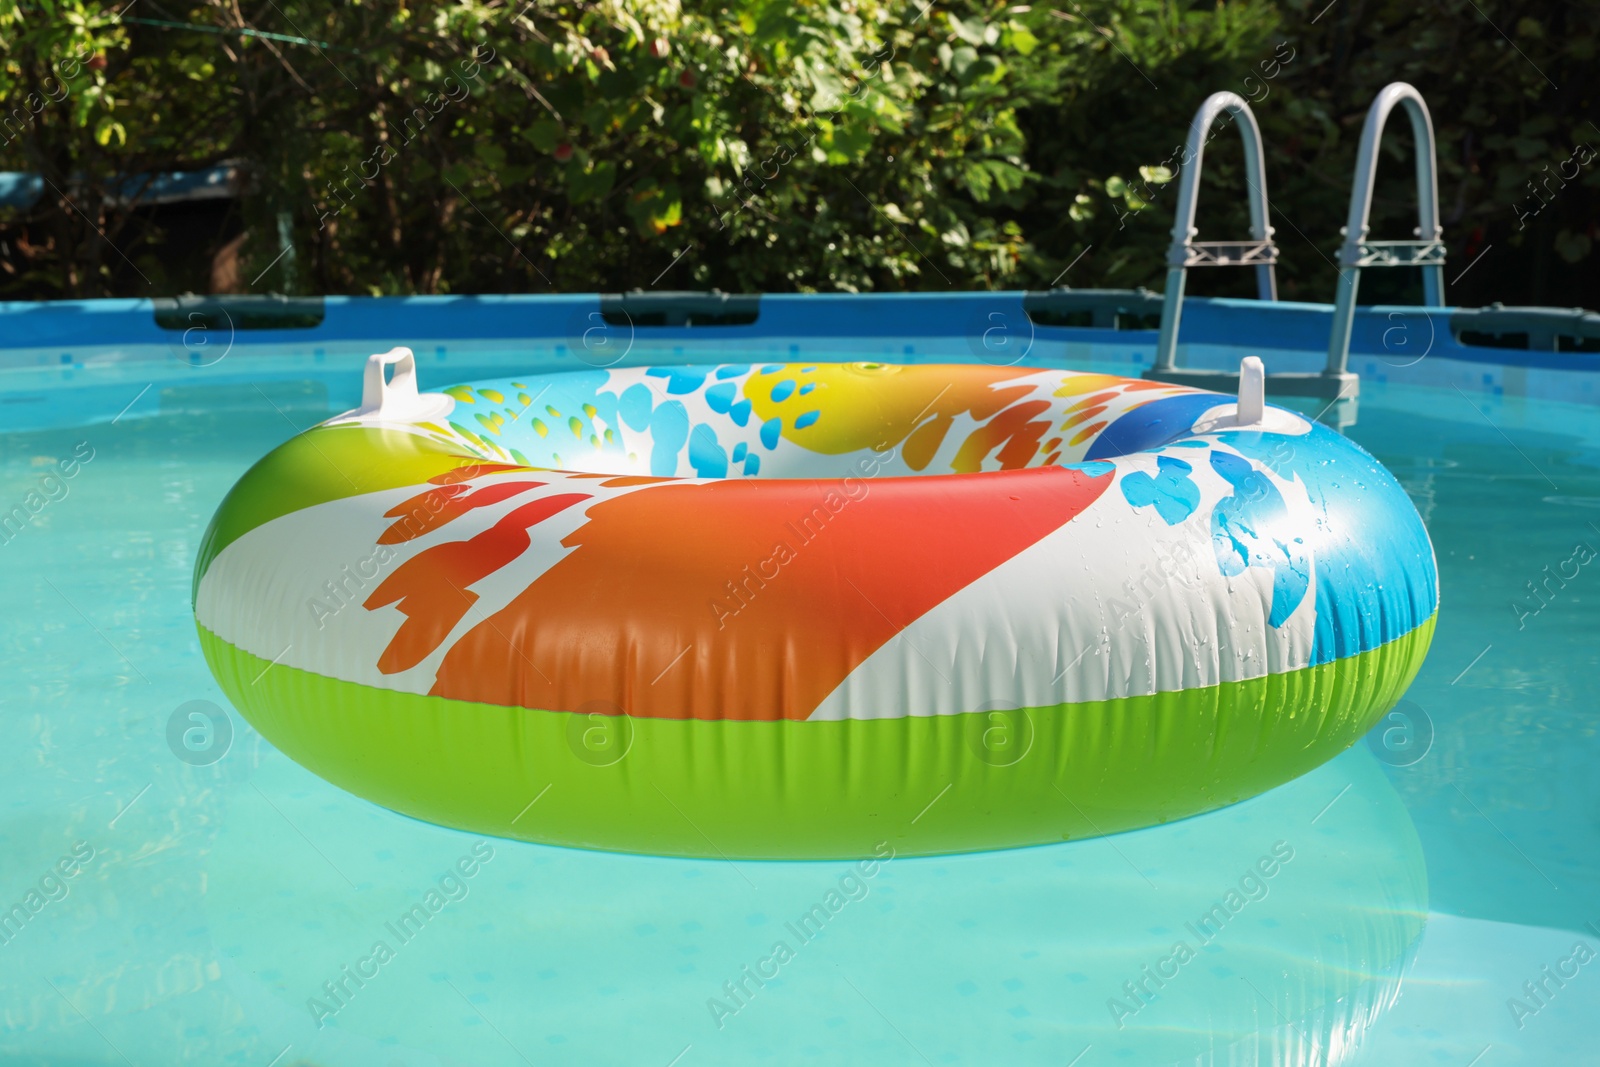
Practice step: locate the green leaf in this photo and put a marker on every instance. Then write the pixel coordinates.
(1008, 177)
(590, 183)
(491, 154)
(978, 180)
(1573, 247)
(655, 209)
(969, 31)
(108, 128)
(1023, 41)
(543, 135)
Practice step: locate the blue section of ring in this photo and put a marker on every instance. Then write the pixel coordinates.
(1152, 425)
(1376, 578)
(1375, 574)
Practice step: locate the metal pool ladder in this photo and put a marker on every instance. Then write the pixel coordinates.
(1185, 252)
(1426, 250)
(1335, 382)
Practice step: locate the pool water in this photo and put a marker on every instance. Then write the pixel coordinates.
(199, 898)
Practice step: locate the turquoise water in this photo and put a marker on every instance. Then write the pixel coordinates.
(220, 896)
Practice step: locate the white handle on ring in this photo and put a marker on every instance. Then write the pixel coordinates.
(1249, 411)
(379, 396)
(396, 398)
(1252, 392)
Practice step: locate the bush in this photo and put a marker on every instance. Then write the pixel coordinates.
(477, 147)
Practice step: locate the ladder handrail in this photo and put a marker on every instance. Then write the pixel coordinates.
(1426, 250)
(1183, 253)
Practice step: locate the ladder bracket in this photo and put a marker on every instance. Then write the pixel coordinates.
(1393, 254)
(1228, 254)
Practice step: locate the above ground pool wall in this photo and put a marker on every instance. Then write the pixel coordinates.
(69, 361)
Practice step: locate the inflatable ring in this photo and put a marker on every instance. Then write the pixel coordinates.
(808, 610)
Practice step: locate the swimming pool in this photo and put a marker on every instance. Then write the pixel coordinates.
(203, 899)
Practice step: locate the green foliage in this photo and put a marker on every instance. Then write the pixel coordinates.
(478, 146)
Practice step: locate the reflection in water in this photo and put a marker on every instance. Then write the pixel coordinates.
(1273, 932)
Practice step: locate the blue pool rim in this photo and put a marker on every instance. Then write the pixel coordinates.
(406, 319)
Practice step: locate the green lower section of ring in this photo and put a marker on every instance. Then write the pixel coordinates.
(818, 790)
